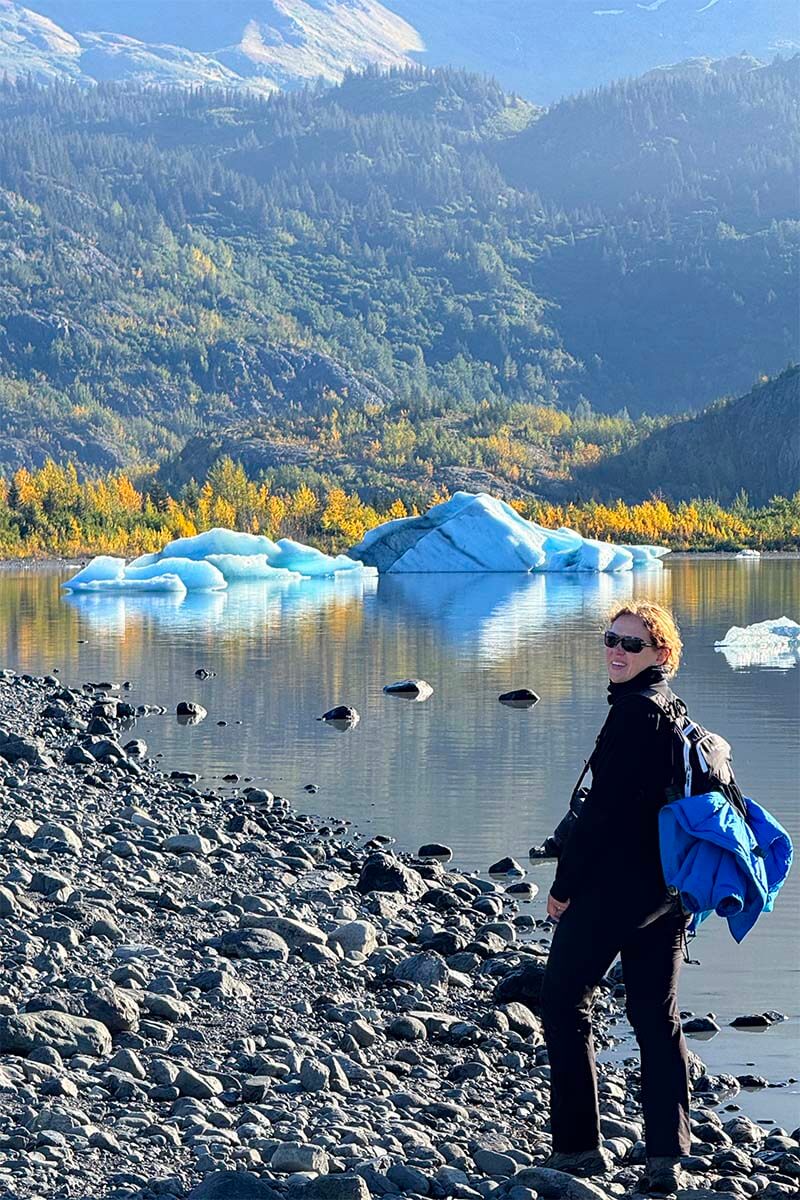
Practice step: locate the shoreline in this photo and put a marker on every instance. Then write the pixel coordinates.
(48, 562)
(233, 984)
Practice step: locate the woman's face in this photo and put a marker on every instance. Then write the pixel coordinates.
(622, 665)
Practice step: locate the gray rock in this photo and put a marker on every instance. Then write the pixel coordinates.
(53, 831)
(435, 850)
(342, 714)
(8, 903)
(225, 982)
(337, 1187)
(412, 689)
(506, 866)
(21, 830)
(200, 1087)
(63, 1032)
(165, 1008)
(192, 710)
(523, 984)
(232, 1185)
(117, 1010)
(523, 1021)
(294, 933)
(314, 1076)
(407, 1029)
(362, 1032)
(700, 1025)
(15, 749)
(409, 1179)
(128, 1061)
(357, 936)
(290, 1157)
(187, 843)
(101, 1139)
(426, 968)
(556, 1185)
(260, 944)
(491, 1162)
(383, 873)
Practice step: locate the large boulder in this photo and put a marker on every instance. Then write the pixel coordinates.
(260, 944)
(384, 873)
(523, 985)
(232, 1185)
(59, 1031)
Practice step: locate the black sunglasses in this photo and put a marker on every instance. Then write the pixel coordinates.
(631, 645)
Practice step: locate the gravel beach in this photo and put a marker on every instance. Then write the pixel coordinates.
(218, 997)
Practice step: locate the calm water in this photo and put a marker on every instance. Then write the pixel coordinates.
(459, 768)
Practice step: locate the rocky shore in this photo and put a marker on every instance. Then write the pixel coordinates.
(196, 984)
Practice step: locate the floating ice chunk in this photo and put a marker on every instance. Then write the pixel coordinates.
(157, 583)
(101, 569)
(251, 567)
(208, 561)
(219, 541)
(313, 563)
(774, 643)
(643, 555)
(253, 556)
(196, 576)
(479, 533)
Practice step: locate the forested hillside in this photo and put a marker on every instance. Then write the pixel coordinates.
(367, 262)
(751, 444)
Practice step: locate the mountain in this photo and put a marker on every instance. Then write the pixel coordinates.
(367, 267)
(682, 185)
(281, 43)
(536, 49)
(752, 442)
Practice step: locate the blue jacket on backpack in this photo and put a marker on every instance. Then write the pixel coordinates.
(718, 862)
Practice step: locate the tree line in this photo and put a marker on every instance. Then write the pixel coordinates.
(52, 512)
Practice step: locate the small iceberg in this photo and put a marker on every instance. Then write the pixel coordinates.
(749, 554)
(209, 561)
(479, 533)
(773, 644)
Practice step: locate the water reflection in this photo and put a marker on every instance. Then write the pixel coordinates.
(243, 607)
(493, 613)
(489, 613)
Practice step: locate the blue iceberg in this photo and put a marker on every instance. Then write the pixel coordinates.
(209, 561)
(479, 533)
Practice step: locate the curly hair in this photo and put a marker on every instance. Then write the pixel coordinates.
(659, 623)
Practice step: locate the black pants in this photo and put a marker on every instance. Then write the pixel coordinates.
(585, 944)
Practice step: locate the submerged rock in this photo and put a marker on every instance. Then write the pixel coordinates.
(519, 698)
(411, 689)
(343, 713)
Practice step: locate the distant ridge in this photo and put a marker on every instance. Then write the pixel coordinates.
(752, 443)
(262, 44)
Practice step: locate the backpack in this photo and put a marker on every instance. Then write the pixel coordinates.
(701, 762)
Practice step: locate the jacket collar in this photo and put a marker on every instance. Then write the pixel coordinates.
(651, 677)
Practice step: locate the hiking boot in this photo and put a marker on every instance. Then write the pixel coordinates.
(663, 1177)
(581, 1163)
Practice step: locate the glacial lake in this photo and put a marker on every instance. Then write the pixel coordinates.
(460, 768)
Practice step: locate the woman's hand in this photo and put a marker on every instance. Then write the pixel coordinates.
(556, 908)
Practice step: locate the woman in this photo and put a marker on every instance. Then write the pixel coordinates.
(609, 897)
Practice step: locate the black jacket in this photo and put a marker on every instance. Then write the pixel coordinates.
(613, 848)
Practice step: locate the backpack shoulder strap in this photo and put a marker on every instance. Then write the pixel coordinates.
(665, 701)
